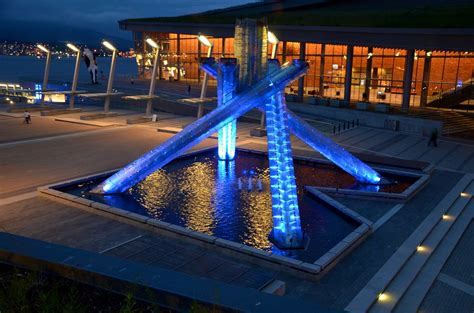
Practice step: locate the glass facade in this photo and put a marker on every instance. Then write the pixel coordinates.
(377, 73)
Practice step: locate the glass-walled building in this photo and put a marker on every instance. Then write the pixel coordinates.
(402, 67)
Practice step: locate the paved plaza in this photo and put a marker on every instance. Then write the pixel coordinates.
(59, 148)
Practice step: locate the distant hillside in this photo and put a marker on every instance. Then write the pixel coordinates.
(54, 33)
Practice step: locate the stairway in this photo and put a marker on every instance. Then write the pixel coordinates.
(450, 99)
(404, 280)
(453, 122)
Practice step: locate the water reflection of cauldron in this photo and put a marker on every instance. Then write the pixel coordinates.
(249, 177)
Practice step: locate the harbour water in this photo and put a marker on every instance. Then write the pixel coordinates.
(18, 69)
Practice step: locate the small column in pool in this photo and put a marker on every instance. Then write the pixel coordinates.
(287, 232)
(226, 87)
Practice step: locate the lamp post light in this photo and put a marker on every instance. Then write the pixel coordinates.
(76, 74)
(149, 105)
(205, 41)
(274, 41)
(46, 70)
(109, 46)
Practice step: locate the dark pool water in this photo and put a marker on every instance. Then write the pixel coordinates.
(201, 193)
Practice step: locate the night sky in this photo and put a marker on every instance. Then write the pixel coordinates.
(100, 15)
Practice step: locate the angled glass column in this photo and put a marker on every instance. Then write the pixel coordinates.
(226, 86)
(332, 151)
(319, 142)
(199, 130)
(287, 232)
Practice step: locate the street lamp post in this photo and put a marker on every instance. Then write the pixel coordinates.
(76, 74)
(109, 46)
(46, 70)
(274, 41)
(203, 39)
(149, 104)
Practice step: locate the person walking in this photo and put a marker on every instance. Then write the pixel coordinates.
(27, 117)
(433, 138)
(189, 90)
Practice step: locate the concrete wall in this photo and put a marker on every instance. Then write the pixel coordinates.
(406, 124)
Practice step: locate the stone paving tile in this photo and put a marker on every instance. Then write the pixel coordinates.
(372, 210)
(388, 143)
(228, 271)
(128, 249)
(460, 264)
(350, 134)
(456, 158)
(12, 130)
(443, 298)
(359, 138)
(254, 278)
(402, 145)
(414, 151)
(179, 258)
(468, 164)
(438, 153)
(202, 265)
(380, 138)
(149, 255)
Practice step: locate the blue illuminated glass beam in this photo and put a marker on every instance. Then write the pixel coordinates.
(287, 232)
(318, 141)
(226, 86)
(332, 151)
(200, 129)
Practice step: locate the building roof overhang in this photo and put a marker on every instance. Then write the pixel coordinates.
(451, 39)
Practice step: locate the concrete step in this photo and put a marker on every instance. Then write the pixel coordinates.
(415, 294)
(387, 286)
(421, 253)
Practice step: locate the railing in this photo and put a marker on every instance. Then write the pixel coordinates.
(453, 98)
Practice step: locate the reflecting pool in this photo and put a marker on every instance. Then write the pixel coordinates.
(202, 193)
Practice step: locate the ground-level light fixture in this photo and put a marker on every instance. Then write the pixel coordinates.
(383, 297)
(205, 41)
